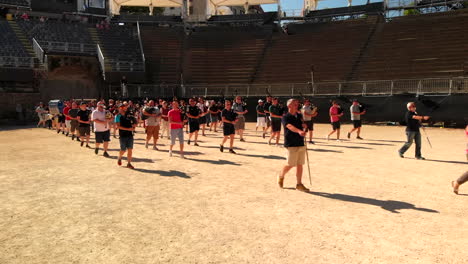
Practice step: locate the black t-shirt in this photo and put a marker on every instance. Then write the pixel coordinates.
(276, 110)
(73, 112)
(193, 110)
(412, 124)
(292, 139)
(84, 116)
(261, 109)
(127, 120)
(266, 106)
(230, 115)
(214, 108)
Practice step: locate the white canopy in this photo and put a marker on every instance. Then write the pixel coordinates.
(213, 5)
(116, 4)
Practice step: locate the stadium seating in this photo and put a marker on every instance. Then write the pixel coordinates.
(146, 18)
(9, 43)
(56, 31)
(420, 46)
(163, 52)
(372, 8)
(264, 18)
(217, 55)
(22, 3)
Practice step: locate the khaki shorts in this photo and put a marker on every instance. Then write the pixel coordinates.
(152, 131)
(296, 155)
(240, 124)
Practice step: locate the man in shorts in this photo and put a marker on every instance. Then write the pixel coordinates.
(309, 112)
(240, 110)
(66, 110)
(356, 113)
(126, 123)
(41, 113)
(335, 114)
(267, 112)
(276, 113)
(176, 125)
(152, 123)
(164, 120)
(101, 119)
(73, 114)
(229, 119)
(261, 117)
(193, 114)
(84, 127)
(294, 143)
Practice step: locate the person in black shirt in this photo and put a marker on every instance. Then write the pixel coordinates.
(229, 118)
(193, 113)
(413, 122)
(84, 127)
(126, 123)
(294, 143)
(276, 113)
(267, 112)
(261, 116)
(214, 111)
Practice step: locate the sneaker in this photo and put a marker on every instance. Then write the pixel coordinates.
(63, 132)
(68, 133)
(96, 150)
(280, 181)
(232, 151)
(73, 137)
(182, 156)
(58, 131)
(349, 135)
(311, 142)
(269, 142)
(358, 137)
(170, 153)
(242, 140)
(130, 166)
(88, 146)
(106, 154)
(221, 148)
(78, 139)
(188, 142)
(400, 154)
(339, 140)
(302, 188)
(263, 135)
(420, 158)
(82, 143)
(328, 137)
(119, 162)
(146, 144)
(155, 148)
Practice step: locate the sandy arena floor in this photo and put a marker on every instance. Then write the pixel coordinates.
(60, 203)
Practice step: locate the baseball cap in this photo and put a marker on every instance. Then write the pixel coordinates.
(260, 101)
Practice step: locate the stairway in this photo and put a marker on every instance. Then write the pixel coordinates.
(95, 38)
(22, 38)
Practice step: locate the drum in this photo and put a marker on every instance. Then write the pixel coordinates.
(55, 107)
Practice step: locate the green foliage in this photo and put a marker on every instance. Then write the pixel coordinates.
(411, 12)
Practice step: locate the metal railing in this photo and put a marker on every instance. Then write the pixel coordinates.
(16, 62)
(141, 44)
(380, 88)
(101, 61)
(68, 47)
(40, 54)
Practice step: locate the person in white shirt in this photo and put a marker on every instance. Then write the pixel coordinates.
(101, 119)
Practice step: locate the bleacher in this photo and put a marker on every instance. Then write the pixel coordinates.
(144, 18)
(423, 46)
(264, 18)
(331, 48)
(19, 3)
(371, 9)
(10, 46)
(217, 55)
(163, 52)
(121, 48)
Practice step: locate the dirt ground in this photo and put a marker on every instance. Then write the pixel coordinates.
(60, 203)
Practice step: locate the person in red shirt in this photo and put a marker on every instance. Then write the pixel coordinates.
(67, 117)
(335, 113)
(164, 119)
(176, 125)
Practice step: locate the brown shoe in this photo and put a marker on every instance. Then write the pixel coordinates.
(302, 188)
(280, 181)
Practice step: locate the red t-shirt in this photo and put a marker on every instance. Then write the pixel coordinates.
(65, 112)
(334, 111)
(165, 112)
(175, 116)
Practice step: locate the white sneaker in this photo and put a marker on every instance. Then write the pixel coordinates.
(170, 153)
(328, 138)
(339, 140)
(182, 156)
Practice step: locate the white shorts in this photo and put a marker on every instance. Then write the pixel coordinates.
(261, 122)
(68, 123)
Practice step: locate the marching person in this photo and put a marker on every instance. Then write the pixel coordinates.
(73, 115)
(152, 114)
(356, 113)
(240, 110)
(294, 143)
(464, 178)
(66, 111)
(335, 114)
(268, 103)
(41, 113)
(101, 119)
(84, 127)
(229, 119)
(203, 112)
(126, 123)
(194, 114)
(214, 112)
(276, 114)
(261, 117)
(164, 120)
(309, 112)
(176, 124)
(413, 123)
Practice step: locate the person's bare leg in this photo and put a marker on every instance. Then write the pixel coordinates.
(182, 150)
(352, 130)
(231, 142)
(311, 135)
(241, 133)
(129, 155)
(203, 130)
(273, 134)
(285, 170)
(196, 136)
(337, 134)
(121, 153)
(87, 139)
(224, 140)
(278, 137)
(299, 169)
(358, 132)
(331, 133)
(106, 146)
(98, 144)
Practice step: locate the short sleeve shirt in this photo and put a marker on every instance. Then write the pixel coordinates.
(307, 109)
(152, 120)
(66, 110)
(261, 109)
(127, 120)
(230, 115)
(334, 111)
(175, 116)
(276, 110)
(292, 139)
(355, 109)
(165, 111)
(194, 110)
(238, 108)
(101, 116)
(412, 125)
(267, 107)
(84, 116)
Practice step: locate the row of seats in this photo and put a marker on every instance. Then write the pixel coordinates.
(266, 18)
(10, 46)
(371, 8)
(22, 3)
(146, 18)
(55, 31)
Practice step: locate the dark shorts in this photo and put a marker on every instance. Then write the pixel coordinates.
(73, 125)
(228, 129)
(336, 125)
(202, 120)
(126, 143)
(357, 123)
(214, 118)
(310, 125)
(276, 125)
(102, 136)
(84, 131)
(194, 125)
(61, 119)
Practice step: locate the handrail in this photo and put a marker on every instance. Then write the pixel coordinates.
(141, 44)
(40, 54)
(72, 47)
(101, 61)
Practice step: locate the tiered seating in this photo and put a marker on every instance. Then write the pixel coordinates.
(163, 52)
(418, 47)
(56, 31)
(10, 46)
(264, 18)
(121, 48)
(146, 18)
(218, 55)
(330, 47)
(22, 3)
(372, 8)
